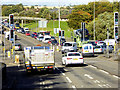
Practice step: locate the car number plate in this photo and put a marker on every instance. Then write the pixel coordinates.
(96, 49)
(40, 67)
(86, 51)
(75, 59)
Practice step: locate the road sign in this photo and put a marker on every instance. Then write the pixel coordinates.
(55, 30)
(42, 24)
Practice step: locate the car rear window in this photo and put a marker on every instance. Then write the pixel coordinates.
(74, 54)
(86, 47)
(67, 44)
(97, 47)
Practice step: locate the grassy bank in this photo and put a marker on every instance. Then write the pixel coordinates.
(50, 26)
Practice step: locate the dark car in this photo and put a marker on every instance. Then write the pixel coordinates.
(35, 36)
(62, 40)
(18, 47)
(23, 31)
(54, 42)
(32, 35)
(3, 69)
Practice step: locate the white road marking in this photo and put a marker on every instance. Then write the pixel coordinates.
(93, 67)
(96, 81)
(116, 76)
(74, 87)
(65, 70)
(104, 71)
(100, 85)
(88, 76)
(68, 80)
(57, 68)
(108, 85)
(62, 73)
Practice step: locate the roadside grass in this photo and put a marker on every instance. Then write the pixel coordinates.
(50, 27)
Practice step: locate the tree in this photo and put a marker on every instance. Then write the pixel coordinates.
(75, 19)
(102, 22)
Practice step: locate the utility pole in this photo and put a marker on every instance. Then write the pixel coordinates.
(59, 16)
(107, 42)
(94, 20)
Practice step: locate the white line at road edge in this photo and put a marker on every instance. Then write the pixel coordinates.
(74, 87)
(104, 71)
(116, 76)
(68, 80)
(93, 67)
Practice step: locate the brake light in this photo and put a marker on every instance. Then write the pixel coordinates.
(69, 58)
(93, 50)
(101, 49)
(80, 58)
(82, 50)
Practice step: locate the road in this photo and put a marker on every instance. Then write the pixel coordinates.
(97, 72)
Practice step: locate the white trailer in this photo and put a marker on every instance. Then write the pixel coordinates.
(39, 58)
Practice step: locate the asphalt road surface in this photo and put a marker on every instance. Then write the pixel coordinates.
(95, 73)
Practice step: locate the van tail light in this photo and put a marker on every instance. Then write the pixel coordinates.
(69, 58)
(80, 58)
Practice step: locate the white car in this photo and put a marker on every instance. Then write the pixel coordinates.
(19, 30)
(26, 29)
(87, 50)
(98, 49)
(40, 38)
(46, 39)
(100, 43)
(69, 46)
(72, 58)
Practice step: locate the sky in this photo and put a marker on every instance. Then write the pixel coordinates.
(48, 2)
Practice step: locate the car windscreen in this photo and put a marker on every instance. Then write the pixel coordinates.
(47, 38)
(67, 44)
(73, 54)
(97, 47)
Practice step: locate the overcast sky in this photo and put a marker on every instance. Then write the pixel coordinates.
(48, 2)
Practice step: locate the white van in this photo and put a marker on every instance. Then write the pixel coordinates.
(69, 46)
(87, 50)
(46, 39)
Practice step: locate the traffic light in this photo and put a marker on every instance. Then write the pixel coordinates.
(62, 33)
(116, 18)
(11, 19)
(116, 31)
(12, 33)
(59, 33)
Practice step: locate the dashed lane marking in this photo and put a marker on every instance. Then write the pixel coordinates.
(62, 73)
(100, 85)
(93, 67)
(68, 80)
(88, 76)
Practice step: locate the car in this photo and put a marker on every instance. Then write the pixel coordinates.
(23, 31)
(19, 30)
(98, 49)
(35, 33)
(54, 42)
(35, 36)
(27, 33)
(26, 29)
(110, 47)
(52, 38)
(3, 69)
(46, 38)
(62, 40)
(69, 47)
(100, 43)
(87, 50)
(92, 42)
(72, 58)
(18, 47)
(40, 38)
